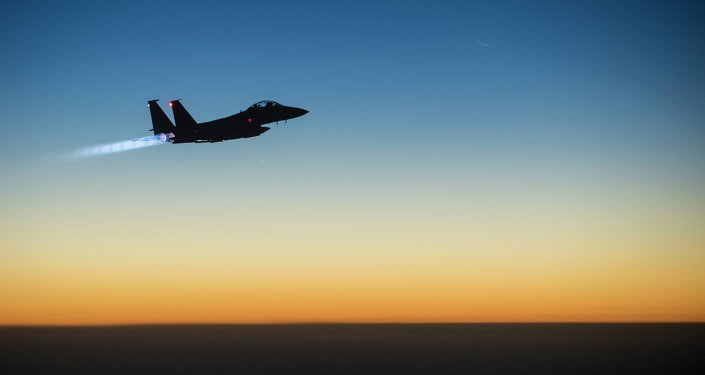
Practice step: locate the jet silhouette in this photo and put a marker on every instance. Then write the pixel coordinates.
(246, 124)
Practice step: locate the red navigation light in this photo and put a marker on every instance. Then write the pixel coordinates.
(171, 104)
(249, 120)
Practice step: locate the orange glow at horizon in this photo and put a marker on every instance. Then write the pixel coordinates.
(208, 293)
(525, 258)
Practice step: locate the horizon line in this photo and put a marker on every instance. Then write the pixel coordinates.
(98, 325)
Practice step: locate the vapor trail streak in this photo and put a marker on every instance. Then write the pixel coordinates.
(121, 146)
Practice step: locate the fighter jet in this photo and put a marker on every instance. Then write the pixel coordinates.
(246, 124)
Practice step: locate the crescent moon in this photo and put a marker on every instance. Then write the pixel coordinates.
(482, 43)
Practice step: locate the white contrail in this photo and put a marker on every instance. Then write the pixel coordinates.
(482, 43)
(131, 144)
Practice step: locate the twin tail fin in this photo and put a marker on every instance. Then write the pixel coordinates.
(160, 122)
(184, 122)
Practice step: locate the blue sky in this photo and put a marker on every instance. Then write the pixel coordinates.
(390, 86)
(365, 70)
(447, 112)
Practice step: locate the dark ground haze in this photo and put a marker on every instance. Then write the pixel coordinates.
(355, 349)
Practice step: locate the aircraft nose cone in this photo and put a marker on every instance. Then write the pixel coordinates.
(293, 112)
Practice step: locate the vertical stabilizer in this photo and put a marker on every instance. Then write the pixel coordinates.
(160, 122)
(185, 124)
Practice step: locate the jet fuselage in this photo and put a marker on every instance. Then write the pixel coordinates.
(245, 124)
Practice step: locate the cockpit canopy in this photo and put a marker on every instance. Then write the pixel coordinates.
(265, 103)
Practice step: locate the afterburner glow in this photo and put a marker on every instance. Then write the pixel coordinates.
(131, 144)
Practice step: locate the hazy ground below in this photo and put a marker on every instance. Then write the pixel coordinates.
(355, 349)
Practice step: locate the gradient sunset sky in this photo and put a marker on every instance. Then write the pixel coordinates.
(461, 162)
